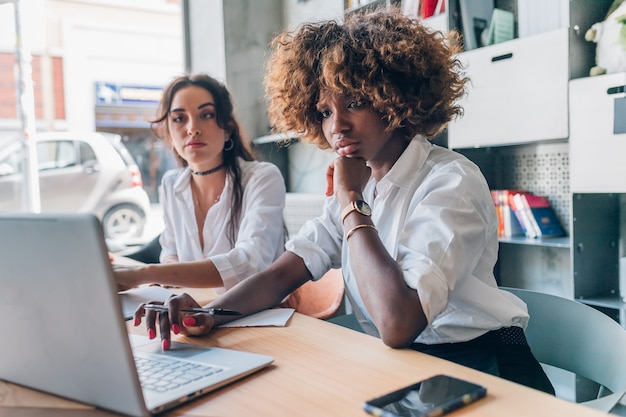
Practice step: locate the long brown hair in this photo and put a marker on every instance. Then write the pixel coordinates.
(225, 118)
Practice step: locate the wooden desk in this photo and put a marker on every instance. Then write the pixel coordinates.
(320, 369)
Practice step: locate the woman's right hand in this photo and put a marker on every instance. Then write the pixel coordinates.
(346, 176)
(174, 320)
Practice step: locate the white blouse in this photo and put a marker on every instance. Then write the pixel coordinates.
(259, 234)
(435, 216)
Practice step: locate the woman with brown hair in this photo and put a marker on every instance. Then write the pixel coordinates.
(222, 210)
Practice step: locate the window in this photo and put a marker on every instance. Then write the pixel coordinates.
(86, 153)
(51, 155)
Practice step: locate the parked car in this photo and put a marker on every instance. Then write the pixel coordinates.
(80, 172)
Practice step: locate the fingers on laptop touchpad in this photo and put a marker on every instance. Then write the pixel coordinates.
(177, 349)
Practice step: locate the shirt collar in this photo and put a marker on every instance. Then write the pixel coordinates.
(182, 182)
(402, 173)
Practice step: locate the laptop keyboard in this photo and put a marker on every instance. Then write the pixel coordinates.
(165, 374)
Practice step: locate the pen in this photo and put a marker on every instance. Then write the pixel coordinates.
(212, 311)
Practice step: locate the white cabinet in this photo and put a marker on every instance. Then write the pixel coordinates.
(519, 89)
(597, 153)
(535, 120)
(517, 93)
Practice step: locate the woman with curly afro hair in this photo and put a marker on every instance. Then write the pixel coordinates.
(411, 224)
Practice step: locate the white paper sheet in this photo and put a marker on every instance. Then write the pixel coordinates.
(276, 317)
(135, 296)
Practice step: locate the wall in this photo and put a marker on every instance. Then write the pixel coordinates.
(115, 45)
(249, 27)
(307, 163)
(229, 40)
(298, 11)
(236, 54)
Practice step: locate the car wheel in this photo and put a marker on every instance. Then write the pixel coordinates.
(123, 222)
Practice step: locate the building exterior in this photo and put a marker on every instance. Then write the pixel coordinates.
(97, 65)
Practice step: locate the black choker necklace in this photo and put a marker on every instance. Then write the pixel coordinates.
(208, 172)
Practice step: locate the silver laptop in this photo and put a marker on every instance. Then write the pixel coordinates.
(63, 331)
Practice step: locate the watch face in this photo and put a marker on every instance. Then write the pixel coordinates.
(363, 207)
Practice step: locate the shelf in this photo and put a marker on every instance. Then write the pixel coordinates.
(366, 5)
(555, 242)
(612, 301)
(275, 138)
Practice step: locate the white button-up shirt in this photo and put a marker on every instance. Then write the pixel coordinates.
(259, 235)
(436, 218)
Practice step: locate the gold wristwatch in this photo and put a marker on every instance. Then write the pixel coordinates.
(359, 206)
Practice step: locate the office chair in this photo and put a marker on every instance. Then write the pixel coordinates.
(575, 337)
(323, 298)
(148, 253)
(347, 320)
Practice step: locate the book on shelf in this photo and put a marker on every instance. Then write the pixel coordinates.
(511, 225)
(542, 215)
(411, 8)
(501, 27)
(429, 8)
(423, 9)
(475, 19)
(519, 208)
(535, 215)
(534, 17)
(508, 223)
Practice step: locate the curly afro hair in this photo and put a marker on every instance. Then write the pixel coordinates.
(409, 73)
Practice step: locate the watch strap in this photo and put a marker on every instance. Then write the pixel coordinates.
(353, 206)
(347, 210)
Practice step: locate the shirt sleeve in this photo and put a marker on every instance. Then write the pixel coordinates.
(260, 238)
(318, 242)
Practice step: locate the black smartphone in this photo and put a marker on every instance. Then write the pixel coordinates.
(434, 396)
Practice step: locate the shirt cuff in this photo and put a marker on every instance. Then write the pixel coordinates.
(432, 289)
(315, 260)
(226, 270)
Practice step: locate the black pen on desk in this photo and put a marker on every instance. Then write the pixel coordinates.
(210, 310)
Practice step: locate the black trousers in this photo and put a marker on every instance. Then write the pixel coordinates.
(504, 353)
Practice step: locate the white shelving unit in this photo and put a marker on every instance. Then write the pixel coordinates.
(534, 120)
(597, 148)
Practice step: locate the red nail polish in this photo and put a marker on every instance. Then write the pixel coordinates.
(151, 333)
(137, 321)
(165, 344)
(189, 321)
(175, 328)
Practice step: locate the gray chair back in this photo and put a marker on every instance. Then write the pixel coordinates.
(569, 335)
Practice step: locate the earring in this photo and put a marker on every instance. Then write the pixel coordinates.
(229, 144)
